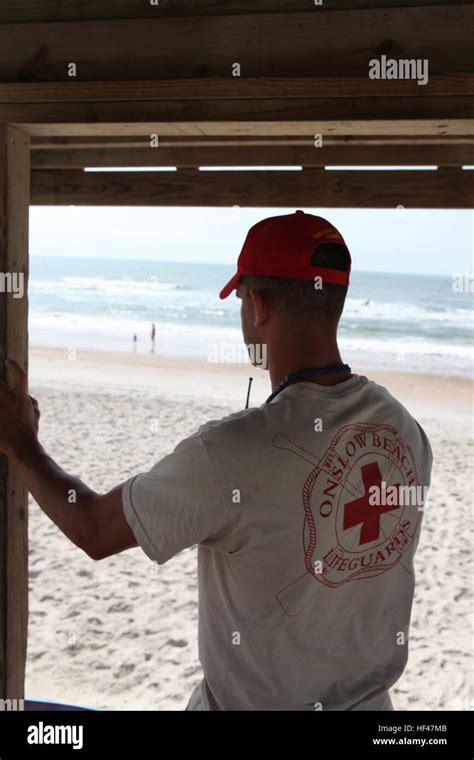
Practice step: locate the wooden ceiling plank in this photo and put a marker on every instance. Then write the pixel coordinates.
(28, 11)
(218, 88)
(446, 188)
(345, 155)
(143, 143)
(275, 44)
(404, 128)
(188, 114)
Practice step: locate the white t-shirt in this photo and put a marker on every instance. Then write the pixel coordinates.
(305, 586)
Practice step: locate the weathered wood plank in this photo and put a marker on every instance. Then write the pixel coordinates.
(137, 142)
(14, 199)
(218, 88)
(264, 155)
(278, 44)
(191, 114)
(445, 188)
(367, 128)
(26, 11)
(143, 143)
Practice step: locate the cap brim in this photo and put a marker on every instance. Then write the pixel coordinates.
(231, 285)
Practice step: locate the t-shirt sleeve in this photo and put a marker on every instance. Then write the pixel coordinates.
(177, 504)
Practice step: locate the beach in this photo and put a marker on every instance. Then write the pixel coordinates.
(122, 633)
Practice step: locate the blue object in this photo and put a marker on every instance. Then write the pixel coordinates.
(44, 705)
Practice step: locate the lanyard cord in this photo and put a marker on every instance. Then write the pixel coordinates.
(302, 373)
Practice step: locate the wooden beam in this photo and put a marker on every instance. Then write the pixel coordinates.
(121, 143)
(403, 127)
(27, 11)
(114, 143)
(266, 155)
(188, 117)
(219, 88)
(445, 188)
(321, 42)
(14, 200)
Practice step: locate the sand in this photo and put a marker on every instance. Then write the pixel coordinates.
(122, 633)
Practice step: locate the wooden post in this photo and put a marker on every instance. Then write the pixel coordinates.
(14, 203)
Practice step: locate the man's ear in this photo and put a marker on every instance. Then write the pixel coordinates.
(261, 307)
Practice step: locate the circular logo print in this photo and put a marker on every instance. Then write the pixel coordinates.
(362, 505)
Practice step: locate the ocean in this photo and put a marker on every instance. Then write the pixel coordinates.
(391, 321)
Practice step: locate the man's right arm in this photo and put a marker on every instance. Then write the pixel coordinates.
(93, 522)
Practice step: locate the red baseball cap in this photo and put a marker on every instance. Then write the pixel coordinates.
(299, 245)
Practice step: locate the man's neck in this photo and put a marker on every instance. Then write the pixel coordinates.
(280, 367)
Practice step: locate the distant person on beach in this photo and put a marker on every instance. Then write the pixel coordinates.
(306, 510)
(135, 340)
(153, 335)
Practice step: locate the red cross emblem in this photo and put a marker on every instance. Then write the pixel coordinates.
(361, 511)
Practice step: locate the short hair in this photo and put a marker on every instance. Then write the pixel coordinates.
(300, 299)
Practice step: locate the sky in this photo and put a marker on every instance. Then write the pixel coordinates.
(398, 240)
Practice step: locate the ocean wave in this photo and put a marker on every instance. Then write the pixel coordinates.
(106, 286)
(123, 327)
(179, 296)
(405, 347)
(371, 310)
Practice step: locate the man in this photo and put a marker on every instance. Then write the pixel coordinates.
(299, 507)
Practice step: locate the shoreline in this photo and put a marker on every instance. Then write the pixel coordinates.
(201, 347)
(428, 395)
